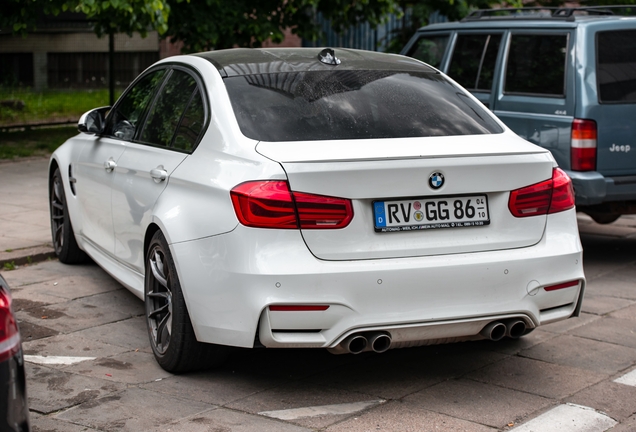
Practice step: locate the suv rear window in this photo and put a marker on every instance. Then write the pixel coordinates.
(430, 49)
(353, 104)
(473, 62)
(616, 69)
(536, 64)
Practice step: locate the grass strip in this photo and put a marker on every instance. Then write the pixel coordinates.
(34, 142)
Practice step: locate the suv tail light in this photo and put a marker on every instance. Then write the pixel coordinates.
(550, 196)
(583, 151)
(9, 335)
(270, 204)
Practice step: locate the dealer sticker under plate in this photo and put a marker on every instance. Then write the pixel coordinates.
(431, 213)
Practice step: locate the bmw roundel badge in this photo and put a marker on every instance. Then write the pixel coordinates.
(436, 180)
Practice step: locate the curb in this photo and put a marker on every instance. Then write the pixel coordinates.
(27, 255)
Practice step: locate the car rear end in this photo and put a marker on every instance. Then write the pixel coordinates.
(604, 134)
(14, 410)
(405, 215)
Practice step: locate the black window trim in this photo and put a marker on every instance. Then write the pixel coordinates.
(169, 67)
(596, 65)
(566, 69)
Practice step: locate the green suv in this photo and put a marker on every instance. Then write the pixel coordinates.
(562, 78)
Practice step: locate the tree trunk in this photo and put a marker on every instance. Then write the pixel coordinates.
(111, 68)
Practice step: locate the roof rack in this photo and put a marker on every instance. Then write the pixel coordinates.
(548, 13)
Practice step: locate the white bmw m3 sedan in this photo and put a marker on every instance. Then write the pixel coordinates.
(338, 199)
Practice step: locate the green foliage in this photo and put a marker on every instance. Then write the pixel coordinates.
(206, 24)
(9, 265)
(421, 10)
(127, 16)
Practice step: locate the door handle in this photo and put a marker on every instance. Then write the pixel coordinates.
(110, 165)
(158, 174)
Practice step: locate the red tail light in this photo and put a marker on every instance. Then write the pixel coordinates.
(583, 147)
(270, 204)
(9, 335)
(550, 196)
(562, 192)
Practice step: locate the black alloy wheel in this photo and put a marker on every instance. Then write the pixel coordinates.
(172, 337)
(62, 233)
(159, 301)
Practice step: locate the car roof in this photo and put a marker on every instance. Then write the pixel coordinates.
(506, 22)
(249, 61)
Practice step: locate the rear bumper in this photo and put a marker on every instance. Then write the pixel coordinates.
(14, 409)
(592, 188)
(230, 281)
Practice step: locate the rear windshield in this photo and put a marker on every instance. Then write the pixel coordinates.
(344, 104)
(616, 69)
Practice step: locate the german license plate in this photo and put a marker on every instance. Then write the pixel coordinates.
(431, 213)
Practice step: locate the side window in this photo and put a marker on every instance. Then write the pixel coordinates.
(616, 68)
(430, 49)
(536, 64)
(165, 115)
(474, 59)
(191, 124)
(124, 121)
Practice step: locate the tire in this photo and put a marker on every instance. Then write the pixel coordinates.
(604, 218)
(172, 337)
(62, 233)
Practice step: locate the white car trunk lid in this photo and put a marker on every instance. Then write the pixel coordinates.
(368, 171)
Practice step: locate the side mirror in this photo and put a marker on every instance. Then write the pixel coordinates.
(93, 121)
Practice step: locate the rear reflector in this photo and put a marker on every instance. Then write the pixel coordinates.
(562, 285)
(549, 196)
(583, 145)
(9, 335)
(270, 204)
(296, 308)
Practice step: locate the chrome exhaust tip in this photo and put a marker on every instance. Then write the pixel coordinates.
(355, 344)
(515, 329)
(494, 331)
(379, 342)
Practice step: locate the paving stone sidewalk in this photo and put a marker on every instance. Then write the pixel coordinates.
(25, 235)
(114, 384)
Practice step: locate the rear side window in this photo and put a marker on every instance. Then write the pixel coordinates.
(616, 68)
(430, 49)
(353, 104)
(474, 59)
(170, 105)
(123, 122)
(191, 125)
(536, 64)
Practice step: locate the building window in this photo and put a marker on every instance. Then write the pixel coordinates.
(90, 70)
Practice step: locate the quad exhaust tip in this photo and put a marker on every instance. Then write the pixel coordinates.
(378, 342)
(497, 330)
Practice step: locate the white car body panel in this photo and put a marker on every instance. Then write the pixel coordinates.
(134, 194)
(94, 188)
(503, 166)
(227, 293)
